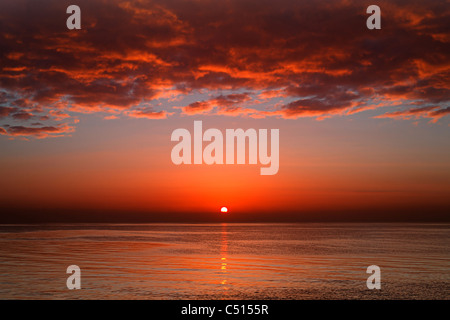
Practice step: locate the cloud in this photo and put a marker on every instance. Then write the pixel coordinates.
(334, 102)
(224, 103)
(6, 111)
(38, 132)
(197, 107)
(22, 115)
(433, 112)
(148, 113)
(440, 112)
(309, 59)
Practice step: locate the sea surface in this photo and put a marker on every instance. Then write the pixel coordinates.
(225, 261)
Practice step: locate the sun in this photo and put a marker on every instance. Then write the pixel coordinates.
(224, 209)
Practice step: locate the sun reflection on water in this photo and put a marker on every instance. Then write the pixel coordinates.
(224, 256)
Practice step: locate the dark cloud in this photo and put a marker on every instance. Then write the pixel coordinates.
(425, 112)
(318, 55)
(441, 112)
(6, 111)
(38, 132)
(224, 103)
(22, 116)
(148, 113)
(318, 105)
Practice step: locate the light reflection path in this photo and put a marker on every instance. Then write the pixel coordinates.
(224, 257)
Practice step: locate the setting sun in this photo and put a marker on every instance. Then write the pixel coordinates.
(224, 209)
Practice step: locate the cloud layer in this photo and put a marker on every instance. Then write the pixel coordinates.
(251, 58)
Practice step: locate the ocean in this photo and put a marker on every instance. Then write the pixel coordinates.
(225, 261)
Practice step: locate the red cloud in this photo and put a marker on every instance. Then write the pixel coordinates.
(318, 57)
(22, 115)
(6, 111)
(147, 113)
(440, 112)
(38, 132)
(198, 107)
(225, 103)
(425, 112)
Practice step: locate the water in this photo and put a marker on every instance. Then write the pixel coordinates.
(225, 261)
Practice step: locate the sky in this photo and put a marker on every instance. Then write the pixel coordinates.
(86, 115)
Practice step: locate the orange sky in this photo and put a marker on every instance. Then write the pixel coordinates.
(86, 116)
